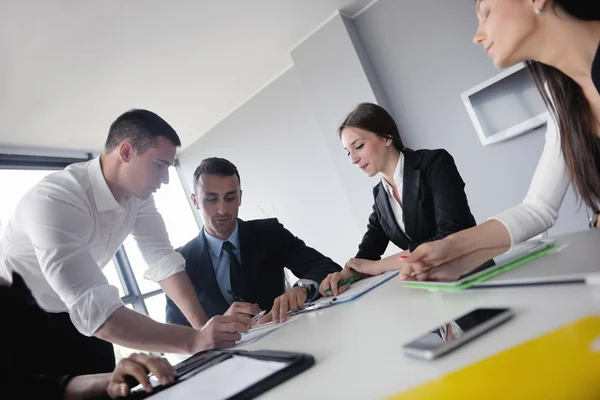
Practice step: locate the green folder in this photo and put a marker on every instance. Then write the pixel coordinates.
(484, 275)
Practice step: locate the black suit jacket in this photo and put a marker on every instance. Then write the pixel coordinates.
(434, 205)
(266, 247)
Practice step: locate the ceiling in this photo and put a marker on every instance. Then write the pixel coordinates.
(69, 67)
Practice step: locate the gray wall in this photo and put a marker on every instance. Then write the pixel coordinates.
(416, 58)
(334, 81)
(423, 53)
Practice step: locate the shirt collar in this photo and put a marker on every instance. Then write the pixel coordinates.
(398, 174)
(216, 245)
(103, 197)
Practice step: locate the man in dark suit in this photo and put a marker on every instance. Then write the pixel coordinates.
(237, 267)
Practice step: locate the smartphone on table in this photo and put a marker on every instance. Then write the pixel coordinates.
(453, 334)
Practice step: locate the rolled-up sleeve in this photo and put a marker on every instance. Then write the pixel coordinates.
(59, 225)
(151, 235)
(539, 210)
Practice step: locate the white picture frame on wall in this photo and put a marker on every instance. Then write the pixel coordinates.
(505, 106)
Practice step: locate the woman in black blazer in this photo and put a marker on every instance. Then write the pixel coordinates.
(420, 196)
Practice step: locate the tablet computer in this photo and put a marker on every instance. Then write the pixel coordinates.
(519, 254)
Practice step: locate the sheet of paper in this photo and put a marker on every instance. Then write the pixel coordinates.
(223, 380)
(259, 331)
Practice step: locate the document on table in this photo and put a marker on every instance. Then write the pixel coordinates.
(356, 289)
(257, 332)
(362, 286)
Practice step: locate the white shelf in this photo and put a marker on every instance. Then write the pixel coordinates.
(505, 106)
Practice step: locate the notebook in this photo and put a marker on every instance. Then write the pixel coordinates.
(562, 364)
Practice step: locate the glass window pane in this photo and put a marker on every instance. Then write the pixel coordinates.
(175, 208)
(173, 205)
(19, 182)
(113, 277)
(156, 307)
(138, 265)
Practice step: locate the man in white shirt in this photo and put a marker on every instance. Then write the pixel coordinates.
(69, 226)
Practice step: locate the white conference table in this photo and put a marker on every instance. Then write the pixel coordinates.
(357, 345)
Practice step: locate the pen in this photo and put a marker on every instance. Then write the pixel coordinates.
(259, 315)
(238, 298)
(346, 281)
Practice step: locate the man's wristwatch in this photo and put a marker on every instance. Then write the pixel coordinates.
(308, 285)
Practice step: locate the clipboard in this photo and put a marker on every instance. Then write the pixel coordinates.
(562, 364)
(196, 374)
(356, 290)
(504, 262)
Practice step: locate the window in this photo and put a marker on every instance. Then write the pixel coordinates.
(157, 307)
(112, 275)
(146, 296)
(181, 225)
(126, 271)
(15, 184)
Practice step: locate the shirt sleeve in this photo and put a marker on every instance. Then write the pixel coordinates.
(59, 224)
(151, 235)
(539, 210)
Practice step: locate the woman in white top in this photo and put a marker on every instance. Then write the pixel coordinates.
(564, 36)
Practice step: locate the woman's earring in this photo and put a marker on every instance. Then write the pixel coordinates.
(537, 11)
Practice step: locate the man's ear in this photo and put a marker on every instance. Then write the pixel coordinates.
(240, 197)
(125, 151)
(194, 201)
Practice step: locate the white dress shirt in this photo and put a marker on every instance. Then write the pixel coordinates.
(399, 182)
(66, 229)
(539, 210)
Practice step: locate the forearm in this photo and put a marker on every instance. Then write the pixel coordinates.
(489, 235)
(180, 289)
(393, 262)
(87, 387)
(131, 329)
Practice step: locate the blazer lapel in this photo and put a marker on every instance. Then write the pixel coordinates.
(411, 187)
(201, 271)
(387, 214)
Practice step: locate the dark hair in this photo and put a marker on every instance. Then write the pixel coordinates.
(574, 115)
(581, 9)
(376, 119)
(216, 166)
(140, 127)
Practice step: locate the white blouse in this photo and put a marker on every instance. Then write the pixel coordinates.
(399, 182)
(539, 210)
